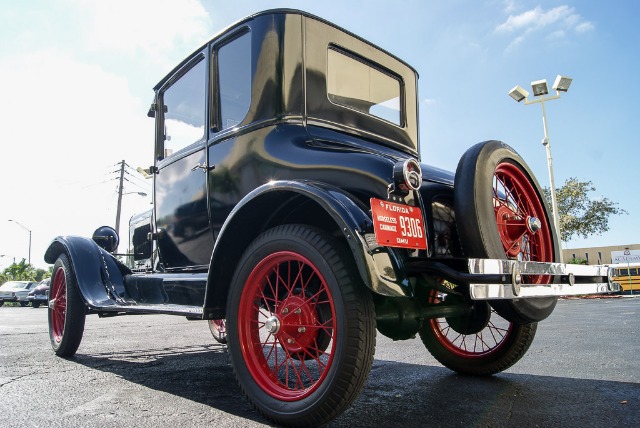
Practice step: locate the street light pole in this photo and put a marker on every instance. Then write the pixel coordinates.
(29, 237)
(540, 89)
(554, 202)
(13, 257)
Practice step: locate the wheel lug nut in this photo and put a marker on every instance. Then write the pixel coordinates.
(290, 341)
(285, 311)
(301, 329)
(297, 311)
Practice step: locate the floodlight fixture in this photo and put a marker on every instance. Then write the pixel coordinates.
(562, 83)
(540, 87)
(518, 93)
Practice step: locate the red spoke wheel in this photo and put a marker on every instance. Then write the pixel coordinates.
(500, 212)
(482, 343)
(301, 326)
(66, 310)
(218, 330)
(520, 216)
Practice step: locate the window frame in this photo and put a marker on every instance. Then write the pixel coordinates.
(215, 112)
(161, 118)
(377, 67)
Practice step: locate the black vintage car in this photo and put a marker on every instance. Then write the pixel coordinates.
(291, 211)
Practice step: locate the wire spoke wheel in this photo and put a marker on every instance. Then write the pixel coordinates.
(287, 326)
(485, 345)
(300, 326)
(67, 311)
(501, 213)
(218, 330)
(58, 307)
(518, 212)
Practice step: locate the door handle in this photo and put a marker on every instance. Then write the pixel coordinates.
(203, 166)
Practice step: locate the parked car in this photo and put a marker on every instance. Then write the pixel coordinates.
(16, 291)
(292, 209)
(40, 295)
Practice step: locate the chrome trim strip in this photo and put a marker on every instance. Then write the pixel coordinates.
(167, 309)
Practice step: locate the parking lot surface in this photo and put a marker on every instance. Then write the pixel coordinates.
(583, 369)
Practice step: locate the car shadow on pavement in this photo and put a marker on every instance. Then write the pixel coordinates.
(407, 395)
(396, 395)
(202, 374)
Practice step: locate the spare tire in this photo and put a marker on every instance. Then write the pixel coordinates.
(501, 213)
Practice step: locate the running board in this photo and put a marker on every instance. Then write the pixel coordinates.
(113, 310)
(557, 279)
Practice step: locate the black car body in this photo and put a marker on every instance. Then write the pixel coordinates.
(290, 201)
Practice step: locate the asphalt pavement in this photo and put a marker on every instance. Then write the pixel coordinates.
(154, 371)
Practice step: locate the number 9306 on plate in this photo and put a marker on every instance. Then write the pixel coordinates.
(398, 225)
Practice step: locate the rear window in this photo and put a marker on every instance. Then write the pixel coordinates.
(353, 83)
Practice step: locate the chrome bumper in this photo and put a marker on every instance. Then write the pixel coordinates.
(564, 279)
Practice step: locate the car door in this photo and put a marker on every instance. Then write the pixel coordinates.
(185, 239)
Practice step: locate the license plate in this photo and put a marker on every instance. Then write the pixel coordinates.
(398, 225)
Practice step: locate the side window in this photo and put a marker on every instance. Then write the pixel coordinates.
(184, 103)
(234, 80)
(355, 84)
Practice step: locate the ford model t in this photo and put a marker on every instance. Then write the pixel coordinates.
(291, 211)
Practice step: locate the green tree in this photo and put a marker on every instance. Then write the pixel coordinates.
(22, 271)
(579, 214)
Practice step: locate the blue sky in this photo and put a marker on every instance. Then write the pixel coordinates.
(76, 80)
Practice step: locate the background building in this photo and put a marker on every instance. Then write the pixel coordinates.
(604, 255)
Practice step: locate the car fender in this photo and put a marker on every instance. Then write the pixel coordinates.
(378, 266)
(99, 275)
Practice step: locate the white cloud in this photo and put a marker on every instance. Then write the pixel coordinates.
(556, 35)
(535, 18)
(71, 109)
(509, 6)
(583, 27)
(557, 21)
(150, 27)
(514, 43)
(65, 124)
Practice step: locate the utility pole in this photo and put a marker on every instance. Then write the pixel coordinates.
(120, 187)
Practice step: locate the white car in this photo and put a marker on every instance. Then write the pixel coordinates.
(16, 291)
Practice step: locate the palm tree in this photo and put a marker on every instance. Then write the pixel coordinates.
(22, 271)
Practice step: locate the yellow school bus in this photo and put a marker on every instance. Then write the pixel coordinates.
(628, 275)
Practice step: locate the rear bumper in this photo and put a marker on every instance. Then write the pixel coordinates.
(558, 279)
(491, 279)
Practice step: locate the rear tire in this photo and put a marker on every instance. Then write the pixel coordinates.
(481, 344)
(500, 212)
(35, 305)
(68, 312)
(301, 326)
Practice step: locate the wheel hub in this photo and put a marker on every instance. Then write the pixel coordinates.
(533, 224)
(298, 325)
(513, 228)
(272, 324)
(473, 323)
